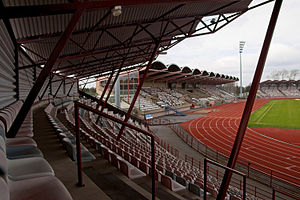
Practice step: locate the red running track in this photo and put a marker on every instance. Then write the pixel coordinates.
(218, 129)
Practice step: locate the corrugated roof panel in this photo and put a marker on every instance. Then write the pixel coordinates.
(39, 28)
(44, 25)
(23, 60)
(32, 2)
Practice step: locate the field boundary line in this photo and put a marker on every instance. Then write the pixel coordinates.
(264, 114)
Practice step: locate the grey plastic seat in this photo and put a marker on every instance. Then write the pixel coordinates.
(70, 146)
(18, 141)
(4, 190)
(46, 188)
(28, 168)
(20, 151)
(17, 152)
(19, 169)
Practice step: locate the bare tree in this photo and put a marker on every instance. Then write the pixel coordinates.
(274, 75)
(284, 74)
(293, 74)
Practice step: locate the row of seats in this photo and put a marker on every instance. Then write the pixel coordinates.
(279, 92)
(65, 136)
(24, 173)
(173, 170)
(169, 97)
(134, 148)
(133, 162)
(142, 104)
(137, 155)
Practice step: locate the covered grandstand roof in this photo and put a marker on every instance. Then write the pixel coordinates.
(173, 73)
(102, 41)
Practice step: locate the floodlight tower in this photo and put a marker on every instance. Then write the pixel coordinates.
(242, 44)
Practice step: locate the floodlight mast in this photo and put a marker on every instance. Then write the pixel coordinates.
(242, 44)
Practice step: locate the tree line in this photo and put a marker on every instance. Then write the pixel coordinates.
(284, 74)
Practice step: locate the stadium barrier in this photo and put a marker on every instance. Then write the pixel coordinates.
(259, 173)
(78, 105)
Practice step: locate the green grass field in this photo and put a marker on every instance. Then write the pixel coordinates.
(277, 114)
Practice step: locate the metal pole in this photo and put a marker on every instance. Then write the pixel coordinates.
(205, 178)
(16, 63)
(44, 74)
(78, 148)
(153, 167)
(70, 88)
(59, 88)
(117, 93)
(242, 44)
(244, 187)
(111, 89)
(106, 86)
(241, 76)
(250, 101)
(139, 88)
(102, 114)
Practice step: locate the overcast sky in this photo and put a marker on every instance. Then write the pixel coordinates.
(219, 52)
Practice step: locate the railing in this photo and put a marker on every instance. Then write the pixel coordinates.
(113, 108)
(254, 190)
(160, 121)
(206, 161)
(174, 151)
(78, 148)
(259, 173)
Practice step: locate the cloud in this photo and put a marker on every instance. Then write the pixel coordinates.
(218, 52)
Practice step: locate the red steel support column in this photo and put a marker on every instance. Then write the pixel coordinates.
(250, 101)
(139, 88)
(114, 119)
(153, 167)
(78, 148)
(71, 88)
(59, 87)
(111, 89)
(44, 74)
(106, 86)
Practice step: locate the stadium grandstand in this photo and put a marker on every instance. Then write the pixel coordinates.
(279, 89)
(168, 89)
(140, 136)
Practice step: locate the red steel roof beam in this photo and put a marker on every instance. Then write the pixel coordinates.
(44, 74)
(166, 74)
(111, 88)
(175, 77)
(106, 86)
(139, 89)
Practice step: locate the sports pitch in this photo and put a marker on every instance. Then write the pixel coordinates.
(277, 114)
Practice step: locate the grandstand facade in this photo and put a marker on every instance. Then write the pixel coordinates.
(168, 89)
(279, 89)
(58, 142)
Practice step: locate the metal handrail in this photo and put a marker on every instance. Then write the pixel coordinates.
(78, 105)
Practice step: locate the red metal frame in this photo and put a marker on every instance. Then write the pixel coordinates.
(166, 74)
(111, 89)
(284, 193)
(102, 114)
(124, 44)
(206, 161)
(106, 86)
(57, 90)
(139, 89)
(44, 74)
(71, 87)
(78, 148)
(250, 101)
